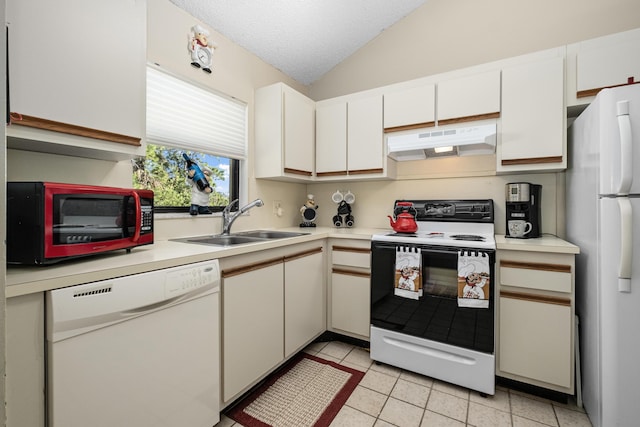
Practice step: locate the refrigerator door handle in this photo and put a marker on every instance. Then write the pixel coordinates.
(626, 244)
(626, 153)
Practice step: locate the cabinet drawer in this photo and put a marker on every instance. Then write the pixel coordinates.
(351, 257)
(547, 277)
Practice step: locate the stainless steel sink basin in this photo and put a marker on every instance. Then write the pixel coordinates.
(269, 234)
(220, 240)
(240, 238)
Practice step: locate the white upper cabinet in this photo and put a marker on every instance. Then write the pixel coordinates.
(331, 139)
(533, 135)
(603, 62)
(285, 134)
(350, 139)
(410, 108)
(365, 149)
(469, 98)
(77, 76)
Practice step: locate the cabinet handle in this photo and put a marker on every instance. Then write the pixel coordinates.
(365, 171)
(469, 118)
(559, 268)
(536, 298)
(303, 254)
(37, 122)
(297, 172)
(409, 127)
(532, 161)
(335, 173)
(229, 272)
(350, 272)
(593, 92)
(350, 249)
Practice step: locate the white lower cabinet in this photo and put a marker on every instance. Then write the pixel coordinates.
(535, 342)
(25, 357)
(350, 288)
(535, 336)
(253, 340)
(271, 308)
(304, 299)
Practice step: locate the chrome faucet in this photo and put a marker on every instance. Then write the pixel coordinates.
(228, 218)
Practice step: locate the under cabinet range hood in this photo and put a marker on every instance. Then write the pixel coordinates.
(440, 142)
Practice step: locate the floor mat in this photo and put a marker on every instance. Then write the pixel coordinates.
(309, 391)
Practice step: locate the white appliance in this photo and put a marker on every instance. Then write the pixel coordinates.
(140, 350)
(443, 141)
(432, 334)
(603, 218)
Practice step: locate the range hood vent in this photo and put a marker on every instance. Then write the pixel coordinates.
(440, 142)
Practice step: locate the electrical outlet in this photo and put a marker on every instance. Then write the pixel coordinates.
(277, 205)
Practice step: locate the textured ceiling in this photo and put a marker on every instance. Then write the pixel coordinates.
(302, 38)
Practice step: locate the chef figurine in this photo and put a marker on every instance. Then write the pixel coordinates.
(197, 179)
(200, 48)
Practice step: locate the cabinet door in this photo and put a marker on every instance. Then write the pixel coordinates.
(331, 139)
(350, 302)
(535, 339)
(469, 98)
(253, 303)
(303, 299)
(299, 132)
(410, 107)
(78, 62)
(365, 145)
(606, 62)
(25, 353)
(533, 120)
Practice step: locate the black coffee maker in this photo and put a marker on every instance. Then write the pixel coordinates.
(524, 218)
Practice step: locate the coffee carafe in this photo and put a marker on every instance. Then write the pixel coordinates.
(523, 203)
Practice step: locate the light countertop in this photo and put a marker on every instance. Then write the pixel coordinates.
(165, 254)
(545, 243)
(22, 280)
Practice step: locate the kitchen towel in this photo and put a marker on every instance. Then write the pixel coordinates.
(473, 279)
(408, 280)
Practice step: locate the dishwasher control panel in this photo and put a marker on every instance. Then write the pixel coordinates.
(182, 280)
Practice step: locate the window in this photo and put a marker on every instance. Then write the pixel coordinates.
(209, 128)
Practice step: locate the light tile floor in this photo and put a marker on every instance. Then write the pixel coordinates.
(389, 396)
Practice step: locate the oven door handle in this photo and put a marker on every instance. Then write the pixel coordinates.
(426, 249)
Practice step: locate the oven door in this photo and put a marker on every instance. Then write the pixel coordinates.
(435, 315)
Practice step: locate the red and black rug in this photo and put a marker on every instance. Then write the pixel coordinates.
(309, 391)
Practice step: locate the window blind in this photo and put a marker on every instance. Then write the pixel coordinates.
(182, 115)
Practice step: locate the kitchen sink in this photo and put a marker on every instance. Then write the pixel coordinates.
(269, 234)
(240, 238)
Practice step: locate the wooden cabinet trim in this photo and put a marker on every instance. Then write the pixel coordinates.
(350, 272)
(303, 254)
(365, 171)
(336, 173)
(593, 92)
(454, 120)
(350, 249)
(230, 272)
(409, 127)
(297, 172)
(51, 125)
(532, 161)
(560, 268)
(536, 298)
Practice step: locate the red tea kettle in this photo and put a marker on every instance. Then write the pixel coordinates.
(405, 221)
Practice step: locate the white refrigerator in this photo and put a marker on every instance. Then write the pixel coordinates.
(603, 219)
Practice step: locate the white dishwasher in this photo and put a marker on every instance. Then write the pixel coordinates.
(140, 350)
